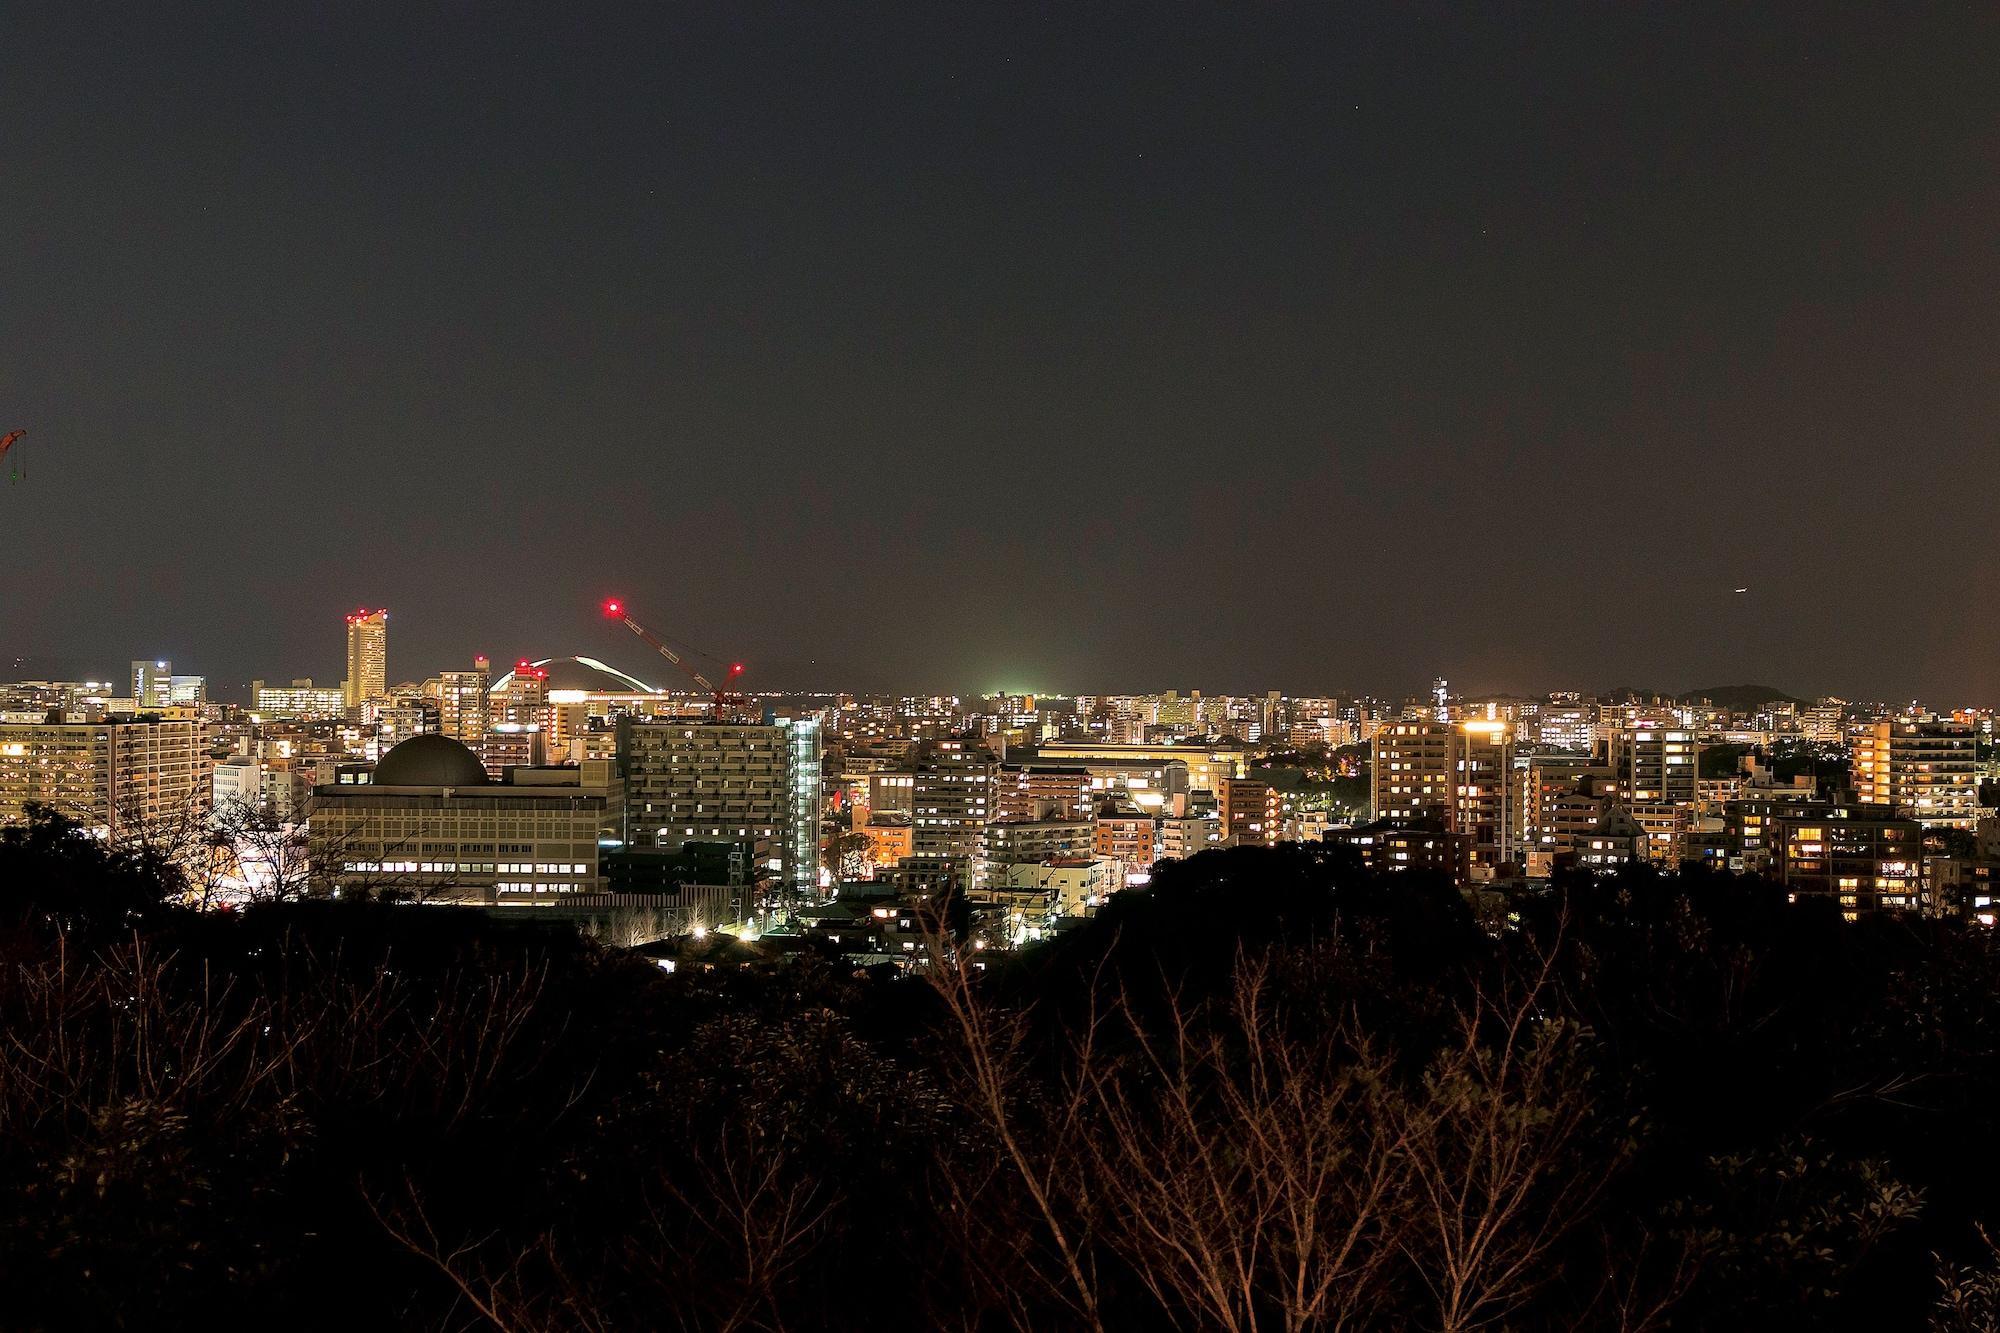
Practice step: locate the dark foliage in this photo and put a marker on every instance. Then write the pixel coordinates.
(1685, 1103)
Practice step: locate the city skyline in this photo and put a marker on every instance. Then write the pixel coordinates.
(1328, 348)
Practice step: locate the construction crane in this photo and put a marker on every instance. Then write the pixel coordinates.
(724, 697)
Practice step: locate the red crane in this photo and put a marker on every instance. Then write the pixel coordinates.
(723, 696)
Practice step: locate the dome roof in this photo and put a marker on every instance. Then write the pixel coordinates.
(430, 761)
(583, 673)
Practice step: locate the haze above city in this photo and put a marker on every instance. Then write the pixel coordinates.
(1058, 348)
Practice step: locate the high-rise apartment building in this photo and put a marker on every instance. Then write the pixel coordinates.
(462, 702)
(1657, 762)
(1822, 721)
(1926, 770)
(1487, 798)
(367, 657)
(115, 776)
(951, 803)
(753, 784)
(1460, 776)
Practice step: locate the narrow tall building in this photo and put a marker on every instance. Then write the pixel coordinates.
(951, 802)
(462, 703)
(367, 657)
(1249, 810)
(1658, 763)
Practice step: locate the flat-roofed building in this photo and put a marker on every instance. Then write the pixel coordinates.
(1207, 765)
(951, 805)
(299, 701)
(1460, 775)
(1034, 791)
(1926, 770)
(1424, 846)
(427, 821)
(1249, 811)
(755, 784)
(462, 702)
(1182, 836)
(367, 657)
(1657, 763)
(1863, 857)
(1026, 841)
(116, 776)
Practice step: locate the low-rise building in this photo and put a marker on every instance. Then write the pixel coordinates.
(429, 823)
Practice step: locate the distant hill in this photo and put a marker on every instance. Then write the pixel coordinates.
(1740, 698)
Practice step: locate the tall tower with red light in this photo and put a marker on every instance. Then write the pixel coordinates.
(367, 656)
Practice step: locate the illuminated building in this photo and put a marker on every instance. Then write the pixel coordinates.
(428, 822)
(1863, 857)
(119, 777)
(1926, 770)
(1566, 727)
(1127, 835)
(1071, 886)
(1414, 769)
(1249, 811)
(1486, 801)
(951, 803)
(299, 700)
(753, 784)
(890, 839)
(237, 781)
(1619, 839)
(398, 720)
(1460, 775)
(462, 702)
(1207, 765)
(1026, 841)
(1424, 846)
(511, 745)
(155, 686)
(892, 793)
(1031, 791)
(1748, 821)
(1657, 763)
(1182, 836)
(1554, 806)
(367, 657)
(1822, 722)
(149, 683)
(1666, 826)
(521, 697)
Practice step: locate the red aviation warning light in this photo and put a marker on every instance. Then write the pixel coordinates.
(723, 699)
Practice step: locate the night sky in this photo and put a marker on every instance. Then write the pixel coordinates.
(942, 346)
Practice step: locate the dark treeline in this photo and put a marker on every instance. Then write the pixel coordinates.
(1270, 1092)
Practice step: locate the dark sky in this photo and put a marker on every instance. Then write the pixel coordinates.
(1090, 347)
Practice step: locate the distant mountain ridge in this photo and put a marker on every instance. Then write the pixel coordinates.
(1741, 698)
